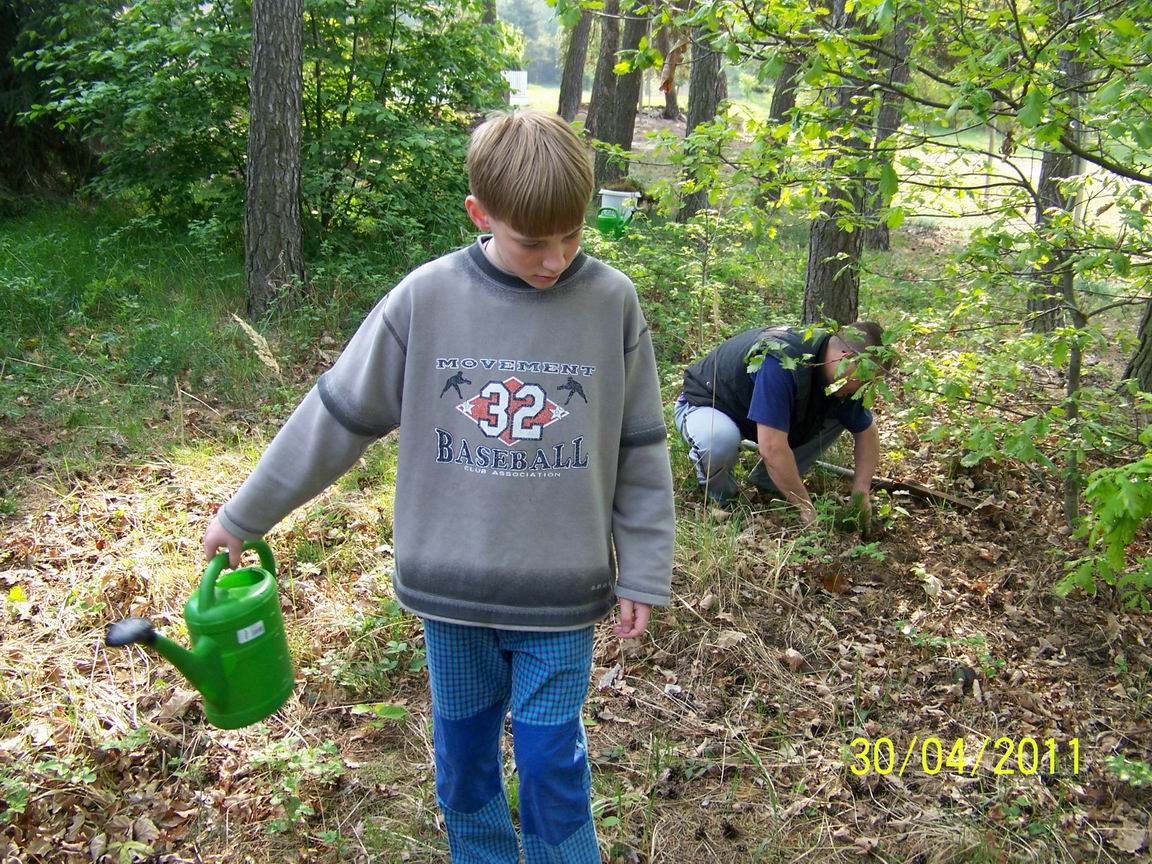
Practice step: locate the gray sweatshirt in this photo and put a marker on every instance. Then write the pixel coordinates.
(533, 480)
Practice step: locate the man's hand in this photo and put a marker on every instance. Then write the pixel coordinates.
(215, 537)
(633, 619)
(858, 515)
(807, 514)
(780, 463)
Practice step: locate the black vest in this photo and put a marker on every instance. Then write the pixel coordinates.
(721, 380)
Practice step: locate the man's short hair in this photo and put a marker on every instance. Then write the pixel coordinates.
(863, 337)
(529, 169)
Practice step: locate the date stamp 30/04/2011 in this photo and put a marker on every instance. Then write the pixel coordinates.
(931, 755)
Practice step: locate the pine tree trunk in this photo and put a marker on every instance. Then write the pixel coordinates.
(1140, 364)
(832, 280)
(600, 112)
(624, 103)
(274, 261)
(783, 101)
(572, 81)
(876, 235)
(707, 88)
(668, 74)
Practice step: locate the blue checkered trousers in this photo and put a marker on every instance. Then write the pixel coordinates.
(477, 675)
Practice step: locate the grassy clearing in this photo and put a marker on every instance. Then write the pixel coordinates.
(727, 733)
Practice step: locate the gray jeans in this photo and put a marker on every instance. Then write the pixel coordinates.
(714, 441)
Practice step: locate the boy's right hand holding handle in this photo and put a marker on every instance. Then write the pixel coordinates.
(216, 536)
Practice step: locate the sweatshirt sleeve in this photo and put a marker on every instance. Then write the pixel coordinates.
(355, 402)
(643, 515)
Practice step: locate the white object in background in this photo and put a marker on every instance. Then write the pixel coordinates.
(622, 201)
(518, 86)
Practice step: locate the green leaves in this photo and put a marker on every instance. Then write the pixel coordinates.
(1121, 503)
(888, 181)
(1111, 92)
(1032, 110)
(163, 87)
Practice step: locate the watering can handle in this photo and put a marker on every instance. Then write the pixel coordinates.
(216, 567)
(624, 220)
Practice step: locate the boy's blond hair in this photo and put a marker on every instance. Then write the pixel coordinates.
(529, 169)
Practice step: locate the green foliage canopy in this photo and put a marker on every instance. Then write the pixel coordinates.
(160, 87)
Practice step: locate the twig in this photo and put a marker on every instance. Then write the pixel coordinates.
(907, 486)
(182, 392)
(891, 485)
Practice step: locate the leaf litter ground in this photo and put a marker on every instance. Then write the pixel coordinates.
(727, 733)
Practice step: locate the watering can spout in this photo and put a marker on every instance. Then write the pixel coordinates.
(200, 665)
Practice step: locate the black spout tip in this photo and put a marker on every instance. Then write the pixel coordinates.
(130, 630)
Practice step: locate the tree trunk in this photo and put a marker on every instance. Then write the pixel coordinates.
(1058, 277)
(489, 14)
(572, 80)
(624, 105)
(832, 290)
(600, 103)
(1140, 364)
(1044, 298)
(1072, 403)
(783, 101)
(876, 235)
(832, 281)
(273, 257)
(707, 88)
(671, 56)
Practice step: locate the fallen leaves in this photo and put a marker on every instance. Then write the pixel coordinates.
(793, 659)
(728, 639)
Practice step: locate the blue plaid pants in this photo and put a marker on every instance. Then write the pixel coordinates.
(477, 675)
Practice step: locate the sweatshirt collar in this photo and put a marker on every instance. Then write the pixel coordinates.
(476, 252)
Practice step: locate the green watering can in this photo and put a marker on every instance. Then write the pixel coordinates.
(611, 223)
(239, 659)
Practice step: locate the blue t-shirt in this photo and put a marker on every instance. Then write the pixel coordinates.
(774, 401)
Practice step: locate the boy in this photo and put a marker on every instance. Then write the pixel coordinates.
(518, 521)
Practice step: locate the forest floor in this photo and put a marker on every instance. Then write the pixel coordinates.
(921, 697)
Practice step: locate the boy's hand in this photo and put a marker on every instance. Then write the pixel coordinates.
(215, 537)
(633, 619)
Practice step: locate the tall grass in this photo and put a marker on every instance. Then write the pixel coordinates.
(117, 331)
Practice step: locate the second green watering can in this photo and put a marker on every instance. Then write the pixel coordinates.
(239, 658)
(611, 223)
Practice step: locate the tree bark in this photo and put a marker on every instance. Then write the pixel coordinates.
(671, 55)
(1054, 297)
(623, 104)
(783, 101)
(832, 281)
(1140, 364)
(832, 289)
(1048, 290)
(572, 80)
(488, 16)
(604, 84)
(707, 88)
(1044, 299)
(876, 235)
(274, 260)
